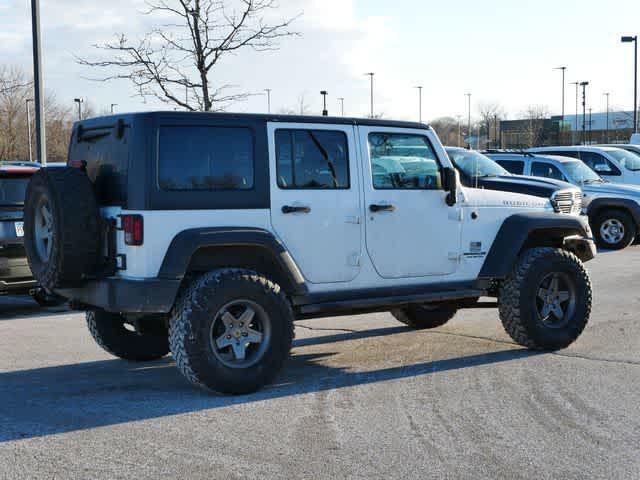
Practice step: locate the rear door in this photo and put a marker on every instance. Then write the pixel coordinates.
(410, 230)
(315, 198)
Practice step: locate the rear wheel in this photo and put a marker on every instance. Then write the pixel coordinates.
(231, 331)
(545, 302)
(614, 229)
(120, 338)
(424, 316)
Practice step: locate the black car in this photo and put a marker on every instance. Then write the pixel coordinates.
(479, 171)
(15, 275)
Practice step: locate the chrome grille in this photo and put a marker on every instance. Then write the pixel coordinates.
(567, 201)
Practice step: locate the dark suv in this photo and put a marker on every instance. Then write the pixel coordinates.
(15, 275)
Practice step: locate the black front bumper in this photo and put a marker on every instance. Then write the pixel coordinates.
(124, 296)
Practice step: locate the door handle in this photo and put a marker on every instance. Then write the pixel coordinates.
(295, 209)
(381, 208)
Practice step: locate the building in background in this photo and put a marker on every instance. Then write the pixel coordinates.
(526, 133)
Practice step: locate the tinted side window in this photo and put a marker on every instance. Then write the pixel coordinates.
(316, 159)
(539, 169)
(598, 163)
(512, 166)
(205, 158)
(403, 161)
(562, 153)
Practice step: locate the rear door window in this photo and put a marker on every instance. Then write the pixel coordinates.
(512, 166)
(542, 169)
(205, 158)
(312, 159)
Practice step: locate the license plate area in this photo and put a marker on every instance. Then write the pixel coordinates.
(19, 226)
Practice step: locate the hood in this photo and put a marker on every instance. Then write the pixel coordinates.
(612, 189)
(538, 187)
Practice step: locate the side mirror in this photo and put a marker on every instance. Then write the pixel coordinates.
(450, 184)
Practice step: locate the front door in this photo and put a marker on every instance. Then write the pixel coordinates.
(410, 230)
(315, 199)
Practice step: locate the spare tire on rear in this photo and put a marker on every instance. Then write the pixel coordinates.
(61, 227)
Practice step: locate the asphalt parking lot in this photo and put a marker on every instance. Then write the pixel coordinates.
(362, 397)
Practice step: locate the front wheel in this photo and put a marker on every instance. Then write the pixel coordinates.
(231, 331)
(614, 229)
(545, 302)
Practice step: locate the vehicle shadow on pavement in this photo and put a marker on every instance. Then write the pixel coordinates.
(66, 398)
(15, 307)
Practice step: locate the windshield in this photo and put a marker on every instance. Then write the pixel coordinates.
(628, 160)
(474, 164)
(579, 173)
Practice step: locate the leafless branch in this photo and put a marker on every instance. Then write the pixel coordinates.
(174, 62)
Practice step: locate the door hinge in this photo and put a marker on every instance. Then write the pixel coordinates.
(456, 214)
(454, 256)
(353, 219)
(354, 260)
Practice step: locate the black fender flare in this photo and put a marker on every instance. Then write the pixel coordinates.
(601, 203)
(517, 229)
(186, 243)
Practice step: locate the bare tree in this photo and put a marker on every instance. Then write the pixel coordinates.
(175, 61)
(14, 137)
(300, 108)
(534, 116)
(447, 130)
(491, 113)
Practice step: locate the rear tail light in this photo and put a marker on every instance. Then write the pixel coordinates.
(133, 227)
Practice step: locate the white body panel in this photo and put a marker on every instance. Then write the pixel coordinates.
(326, 242)
(335, 246)
(421, 237)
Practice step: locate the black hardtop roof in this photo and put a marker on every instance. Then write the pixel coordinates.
(266, 117)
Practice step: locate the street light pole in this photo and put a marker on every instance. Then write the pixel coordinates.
(634, 39)
(607, 128)
(324, 103)
(584, 111)
(468, 95)
(29, 128)
(41, 144)
(79, 102)
(341, 100)
(563, 70)
(268, 90)
(590, 126)
(576, 122)
(419, 103)
(371, 74)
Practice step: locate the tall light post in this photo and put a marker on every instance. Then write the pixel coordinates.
(79, 101)
(113, 105)
(268, 90)
(27, 101)
(468, 95)
(341, 100)
(419, 103)
(590, 125)
(459, 118)
(563, 70)
(371, 74)
(325, 112)
(584, 111)
(41, 144)
(606, 94)
(634, 39)
(577, 84)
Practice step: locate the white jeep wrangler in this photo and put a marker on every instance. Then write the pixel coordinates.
(207, 235)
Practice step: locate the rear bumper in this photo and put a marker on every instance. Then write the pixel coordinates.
(15, 275)
(127, 296)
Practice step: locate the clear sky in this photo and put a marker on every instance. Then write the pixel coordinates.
(499, 51)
